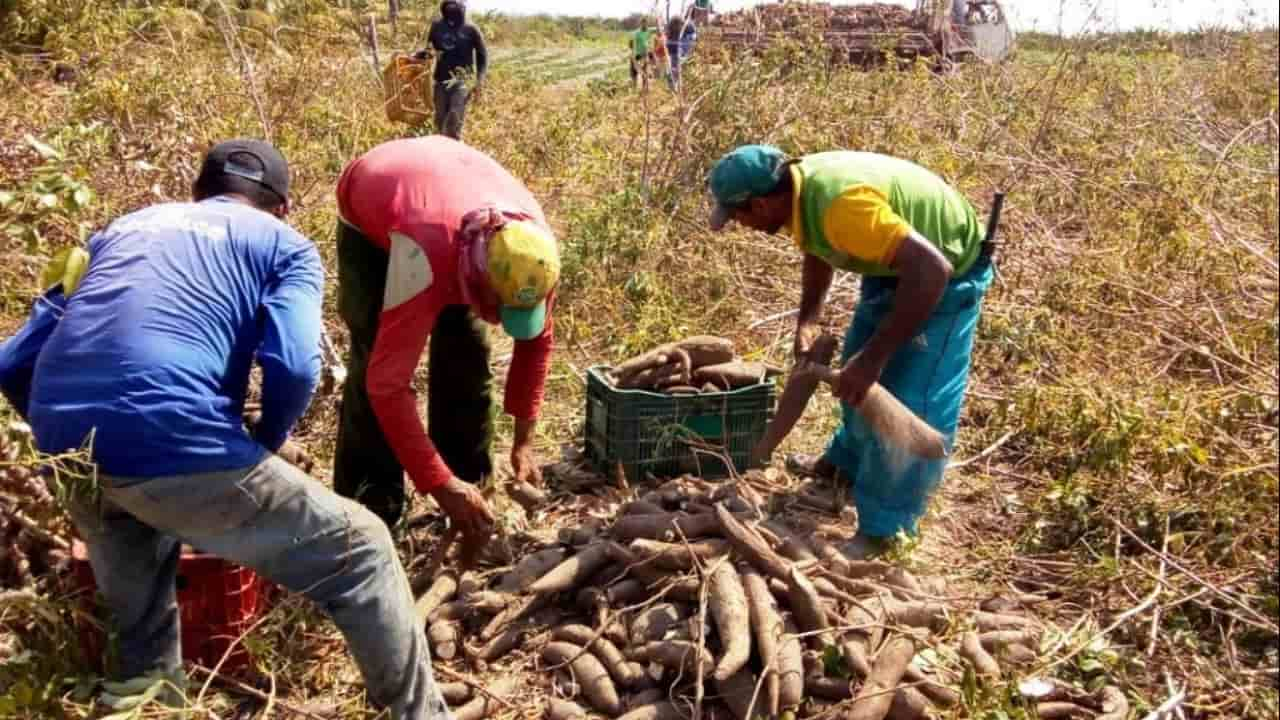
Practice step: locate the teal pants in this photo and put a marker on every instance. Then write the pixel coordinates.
(929, 375)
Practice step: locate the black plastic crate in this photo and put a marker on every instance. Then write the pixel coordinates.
(669, 435)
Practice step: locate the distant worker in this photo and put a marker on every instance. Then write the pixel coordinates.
(960, 12)
(918, 244)
(461, 64)
(641, 43)
(682, 34)
(701, 10)
(148, 369)
(661, 59)
(436, 241)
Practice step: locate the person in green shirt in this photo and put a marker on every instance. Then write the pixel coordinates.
(918, 245)
(640, 43)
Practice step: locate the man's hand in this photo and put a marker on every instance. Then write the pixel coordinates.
(806, 334)
(477, 92)
(467, 511)
(291, 452)
(525, 465)
(294, 454)
(526, 488)
(856, 378)
(523, 462)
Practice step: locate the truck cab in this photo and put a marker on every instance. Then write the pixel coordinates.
(980, 29)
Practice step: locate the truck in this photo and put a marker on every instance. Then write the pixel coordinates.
(945, 31)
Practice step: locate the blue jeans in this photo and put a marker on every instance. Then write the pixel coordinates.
(673, 53)
(929, 375)
(290, 529)
(677, 51)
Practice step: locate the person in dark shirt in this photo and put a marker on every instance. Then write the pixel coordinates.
(460, 53)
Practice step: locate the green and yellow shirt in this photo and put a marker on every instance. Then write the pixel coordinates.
(641, 42)
(854, 209)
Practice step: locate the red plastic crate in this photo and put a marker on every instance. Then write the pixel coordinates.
(217, 602)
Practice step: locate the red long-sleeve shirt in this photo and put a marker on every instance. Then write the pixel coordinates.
(409, 197)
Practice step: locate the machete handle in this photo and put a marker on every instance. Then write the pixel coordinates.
(993, 221)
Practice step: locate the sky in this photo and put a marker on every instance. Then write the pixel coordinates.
(1043, 15)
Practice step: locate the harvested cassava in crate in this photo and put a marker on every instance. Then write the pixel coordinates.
(665, 435)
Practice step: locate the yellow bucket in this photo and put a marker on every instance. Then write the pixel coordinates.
(406, 86)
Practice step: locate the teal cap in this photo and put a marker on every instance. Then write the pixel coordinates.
(524, 323)
(747, 172)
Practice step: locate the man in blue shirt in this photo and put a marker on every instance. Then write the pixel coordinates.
(147, 369)
(682, 33)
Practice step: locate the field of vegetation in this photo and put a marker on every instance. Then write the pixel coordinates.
(1119, 446)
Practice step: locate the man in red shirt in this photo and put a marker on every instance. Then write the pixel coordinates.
(435, 240)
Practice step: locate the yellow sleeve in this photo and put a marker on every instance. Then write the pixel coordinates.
(67, 267)
(861, 224)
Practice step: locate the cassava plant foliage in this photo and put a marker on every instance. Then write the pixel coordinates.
(1125, 375)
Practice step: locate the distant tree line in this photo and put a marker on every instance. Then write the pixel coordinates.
(1199, 42)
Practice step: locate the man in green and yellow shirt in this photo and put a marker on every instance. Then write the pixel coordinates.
(918, 245)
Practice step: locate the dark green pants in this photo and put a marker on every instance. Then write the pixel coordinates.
(450, 101)
(460, 408)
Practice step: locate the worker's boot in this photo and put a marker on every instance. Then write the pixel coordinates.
(866, 547)
(160, 688)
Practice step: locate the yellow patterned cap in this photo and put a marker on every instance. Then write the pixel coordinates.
(524, 267)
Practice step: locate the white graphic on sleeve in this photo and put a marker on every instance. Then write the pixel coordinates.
(408, 272)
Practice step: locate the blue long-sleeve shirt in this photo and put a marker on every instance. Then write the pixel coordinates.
(150, 362)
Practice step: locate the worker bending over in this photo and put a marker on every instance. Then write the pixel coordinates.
(436, 240)
(917, 243)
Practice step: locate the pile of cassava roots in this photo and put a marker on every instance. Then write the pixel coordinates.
(33, 533)
(694, 602)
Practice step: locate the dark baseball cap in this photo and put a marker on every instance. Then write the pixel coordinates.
(253, 160)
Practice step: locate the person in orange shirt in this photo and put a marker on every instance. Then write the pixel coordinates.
(661, 60)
